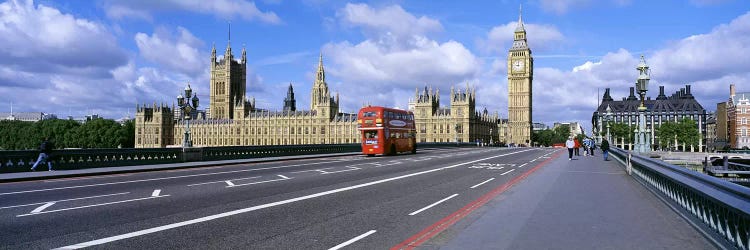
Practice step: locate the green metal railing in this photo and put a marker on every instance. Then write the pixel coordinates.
(69, 159)
(721, 206)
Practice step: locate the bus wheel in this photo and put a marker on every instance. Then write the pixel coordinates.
(414, 149)
(370, 155)
(393, 149)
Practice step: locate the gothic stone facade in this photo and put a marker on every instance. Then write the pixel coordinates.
(520, 77)
(459, 123)
(233, 120)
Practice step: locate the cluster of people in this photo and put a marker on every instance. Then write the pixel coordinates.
(588, 145)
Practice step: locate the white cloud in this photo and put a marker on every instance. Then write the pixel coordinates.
(178, 52)
(37, 38)
(540, 36)
(391, 20)
(723, 51)
(708, 62)
(396, 56)
(227, 9)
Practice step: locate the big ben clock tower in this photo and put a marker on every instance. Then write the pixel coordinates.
(520, 76)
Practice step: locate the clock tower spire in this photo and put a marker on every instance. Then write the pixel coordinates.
(520, 77)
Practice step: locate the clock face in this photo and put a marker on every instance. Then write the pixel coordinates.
(518, 65)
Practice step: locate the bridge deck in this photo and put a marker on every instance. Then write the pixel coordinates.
(585, 203)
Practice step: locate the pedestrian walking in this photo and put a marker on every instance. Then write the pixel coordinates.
(605, 149)
(45, 150)
(570, 144)
(593, 146)
(577, 146)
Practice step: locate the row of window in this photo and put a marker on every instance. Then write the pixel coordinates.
(279, 130)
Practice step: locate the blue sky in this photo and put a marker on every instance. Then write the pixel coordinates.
(79, 57)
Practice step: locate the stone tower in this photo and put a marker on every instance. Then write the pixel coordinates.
(463, 104)
(520, 77)
(228, 83)
(154, 126)
(321, 100)
(289, 103)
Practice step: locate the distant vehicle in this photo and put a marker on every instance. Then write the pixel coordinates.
(386, 131)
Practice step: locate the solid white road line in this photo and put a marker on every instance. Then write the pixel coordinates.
(433, 204)
(283, 176)
(39, 209)
(520, 166)
(482, 183)
(94, 205)
(229, 183)
(211, 182)
(82, 198)
(339, 246)
(273, 204)
(163, 178)
(156, 193)
(511, 170)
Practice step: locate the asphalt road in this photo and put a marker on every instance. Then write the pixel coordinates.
(349, 202)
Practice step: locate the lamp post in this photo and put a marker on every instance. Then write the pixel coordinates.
(608, 119)
(456, 128)
(187, 105)
(643, 144)
(491, 137)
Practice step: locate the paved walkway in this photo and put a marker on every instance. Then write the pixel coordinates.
(585, 203)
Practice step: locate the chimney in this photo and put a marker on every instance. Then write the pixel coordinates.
(682, 92)
(731, 90)
(661, 90)
(632, 91)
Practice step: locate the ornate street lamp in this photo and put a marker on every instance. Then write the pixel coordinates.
(643, 144)
(187, 105)
(608, 119)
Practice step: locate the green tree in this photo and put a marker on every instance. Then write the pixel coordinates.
(561, 134)
(666, 134)
(687, 133)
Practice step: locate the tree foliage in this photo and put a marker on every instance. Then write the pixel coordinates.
(548, 137)
(97, 133)
(685, 133)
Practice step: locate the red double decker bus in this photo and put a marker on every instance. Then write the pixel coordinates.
(386, 131)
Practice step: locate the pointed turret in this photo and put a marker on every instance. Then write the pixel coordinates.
(520, 27)
(289, 103)
(213, 53)
(244, 54)
(321, 72)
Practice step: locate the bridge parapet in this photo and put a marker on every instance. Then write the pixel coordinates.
(719, 205)
(70, 159)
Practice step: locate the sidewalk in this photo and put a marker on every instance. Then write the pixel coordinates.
(42, 172)
(586, 203)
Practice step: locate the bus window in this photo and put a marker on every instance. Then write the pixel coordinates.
(369, 114)
(372, 134)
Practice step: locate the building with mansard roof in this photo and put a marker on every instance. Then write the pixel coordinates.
(681, 104)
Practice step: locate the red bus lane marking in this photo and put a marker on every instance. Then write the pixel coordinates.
(434, 229)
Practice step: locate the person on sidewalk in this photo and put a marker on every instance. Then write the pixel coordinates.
(577, 146)
(570, 144)
(605, 149)
(45, 149)
(593, 146)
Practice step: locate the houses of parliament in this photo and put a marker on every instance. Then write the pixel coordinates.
(232, 119)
